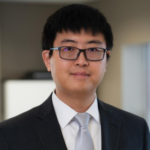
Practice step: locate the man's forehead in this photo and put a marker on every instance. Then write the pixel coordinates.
(79, 37)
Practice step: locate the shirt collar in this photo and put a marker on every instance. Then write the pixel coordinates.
(65, 113)
(93, 110)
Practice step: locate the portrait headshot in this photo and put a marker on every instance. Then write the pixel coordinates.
(77, 44)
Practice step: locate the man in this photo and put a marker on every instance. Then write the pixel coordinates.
(77, 41)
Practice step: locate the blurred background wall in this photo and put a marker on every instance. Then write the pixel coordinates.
(21, 27)
(0, 69)
(130, 21)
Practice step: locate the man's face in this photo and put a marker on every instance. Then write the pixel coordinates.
(81, 75)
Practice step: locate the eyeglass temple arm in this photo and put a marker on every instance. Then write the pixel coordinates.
(55, 48)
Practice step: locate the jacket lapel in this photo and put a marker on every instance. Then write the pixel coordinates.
(47, 127)
(111, 125)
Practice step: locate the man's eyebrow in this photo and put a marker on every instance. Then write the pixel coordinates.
(73, 41)
(68, 40)
(94, 41)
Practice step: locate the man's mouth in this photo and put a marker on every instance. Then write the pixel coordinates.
(84, 74)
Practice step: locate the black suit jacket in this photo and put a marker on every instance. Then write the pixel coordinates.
(38, 129)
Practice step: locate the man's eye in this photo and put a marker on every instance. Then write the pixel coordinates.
(93, 49)
(68, 48)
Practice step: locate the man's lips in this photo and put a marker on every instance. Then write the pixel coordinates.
(80, 74)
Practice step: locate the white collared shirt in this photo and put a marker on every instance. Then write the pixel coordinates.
(69, 127)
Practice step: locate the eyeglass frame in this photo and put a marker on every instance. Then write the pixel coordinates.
(78, 54)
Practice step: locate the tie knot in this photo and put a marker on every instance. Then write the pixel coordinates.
(82, 119)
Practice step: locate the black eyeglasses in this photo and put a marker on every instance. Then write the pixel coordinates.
(72, 53)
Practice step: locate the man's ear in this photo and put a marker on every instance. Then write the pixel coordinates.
(108, 53)
(47, 59)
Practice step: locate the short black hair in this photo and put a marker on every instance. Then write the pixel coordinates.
(73, 18)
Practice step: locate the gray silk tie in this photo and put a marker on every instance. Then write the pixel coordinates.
(83, 139)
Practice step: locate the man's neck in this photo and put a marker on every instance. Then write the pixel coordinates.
(80, 102)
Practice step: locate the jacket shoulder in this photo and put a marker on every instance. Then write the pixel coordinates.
(22, 119)
(123, 115)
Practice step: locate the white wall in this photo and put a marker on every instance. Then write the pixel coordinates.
(134, 79)
(23, 95)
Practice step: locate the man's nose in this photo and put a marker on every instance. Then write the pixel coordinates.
(81, 60)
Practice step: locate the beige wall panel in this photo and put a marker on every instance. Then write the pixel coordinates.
(22, 26)
(130, 21)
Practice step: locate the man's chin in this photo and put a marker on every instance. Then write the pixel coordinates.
(82, 90)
